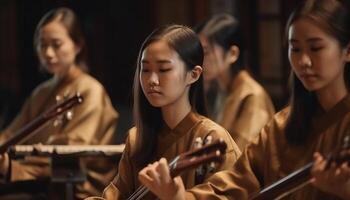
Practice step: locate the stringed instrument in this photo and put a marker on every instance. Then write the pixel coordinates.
(209, 153)
(41, 120)
(302, 176)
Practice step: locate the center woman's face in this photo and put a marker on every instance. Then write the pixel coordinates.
(163, 75)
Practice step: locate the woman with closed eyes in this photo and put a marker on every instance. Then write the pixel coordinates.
(61, 49)
(169, 111)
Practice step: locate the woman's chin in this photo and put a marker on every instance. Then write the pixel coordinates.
(52, 69)
(311, 87)
(156, 104)
(55, 70)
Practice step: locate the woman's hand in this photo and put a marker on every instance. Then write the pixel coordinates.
(4, 163)
(157, 178)
(335, 179)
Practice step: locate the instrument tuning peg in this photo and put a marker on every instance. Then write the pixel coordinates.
(69, 115)
(346, 141)
(208, 140)
(58, 121)
(58, 98)
(211, 166)
(198, 142)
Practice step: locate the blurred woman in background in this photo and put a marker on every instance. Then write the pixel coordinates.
(61, 49)
(236, 100)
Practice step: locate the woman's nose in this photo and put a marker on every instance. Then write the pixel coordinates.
(49, 52)
(153, 79)
(305, 61)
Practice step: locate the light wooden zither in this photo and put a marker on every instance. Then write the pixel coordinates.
(47, 150)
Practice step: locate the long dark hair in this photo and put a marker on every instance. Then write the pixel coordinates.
(148, 119)
(224, 30)
(70, 21)
(332, 16)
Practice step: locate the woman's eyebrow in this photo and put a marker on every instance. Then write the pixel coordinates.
(162, 61)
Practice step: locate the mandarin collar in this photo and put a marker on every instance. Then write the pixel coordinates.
(325, 119)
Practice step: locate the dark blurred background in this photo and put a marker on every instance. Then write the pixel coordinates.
(114, 31)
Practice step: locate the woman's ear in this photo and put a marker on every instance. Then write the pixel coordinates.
(347, 56)
(232, 54)
(77, 49)
(194, 74)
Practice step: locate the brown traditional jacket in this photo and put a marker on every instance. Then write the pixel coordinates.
(170, 144)
(270, 158)
(94, 122)
(246, 109)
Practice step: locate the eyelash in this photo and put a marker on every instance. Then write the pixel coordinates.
(160, 70)
(55, 45)
(314, 49)
(294, 49)
(164, 70)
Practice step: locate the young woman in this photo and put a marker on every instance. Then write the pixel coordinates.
(168, 110)
(237, 101)
(317, 120)
(61, 49)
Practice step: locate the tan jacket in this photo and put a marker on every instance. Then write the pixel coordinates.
(246, 109)
(269, 158)
(94, 122)
(170, 144)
